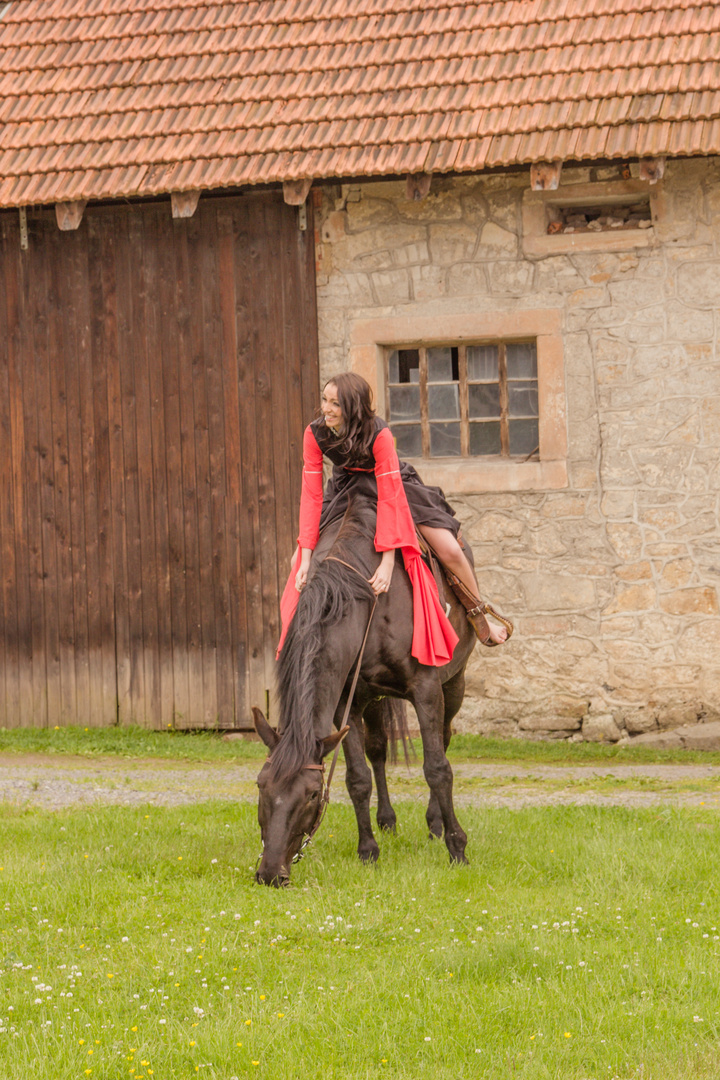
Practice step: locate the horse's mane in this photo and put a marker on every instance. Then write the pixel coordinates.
(324, 601)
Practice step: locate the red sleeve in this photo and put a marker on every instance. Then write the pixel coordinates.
(312, 491)
(395, 527)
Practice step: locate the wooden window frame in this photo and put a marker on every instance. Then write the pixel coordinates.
(370, 338)
(463, 384)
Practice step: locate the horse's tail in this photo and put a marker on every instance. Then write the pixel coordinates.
(395, 723)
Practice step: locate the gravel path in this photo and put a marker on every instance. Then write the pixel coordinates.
(53, 783)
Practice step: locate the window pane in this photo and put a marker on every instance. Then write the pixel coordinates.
(442, 364)
(485, 438)
(408, 438)
(523, 436)
(521, 360)
(404, 366)
(404, 402)
(444, 440)
(444, 402)
(484, 400)
(522, 398)
(482, 362)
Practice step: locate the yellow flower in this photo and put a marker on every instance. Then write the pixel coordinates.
(262, 997)
(248, 1023)
(91, 1051)
(179, 858)
(567, 1035)
(134, 1029)
(192, 1042)
(81, 1041)
(238, 1044)
(280, 1016)
(256, 1062)
(111, 975)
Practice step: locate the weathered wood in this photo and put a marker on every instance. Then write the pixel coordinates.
(69, 214)
(184, 203)
(295, 192)
(545, 175)
(652, 169)
(417, 186)
(155, 379)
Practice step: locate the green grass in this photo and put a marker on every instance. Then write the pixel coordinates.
(209, 746)
(580, 944)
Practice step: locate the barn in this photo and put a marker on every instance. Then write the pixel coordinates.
(505, 215)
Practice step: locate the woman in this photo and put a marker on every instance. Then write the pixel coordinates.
(362, 450)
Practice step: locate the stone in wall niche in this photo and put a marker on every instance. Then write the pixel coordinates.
(702, 601)
(640, 720)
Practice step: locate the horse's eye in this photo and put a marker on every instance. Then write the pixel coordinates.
(313, 794)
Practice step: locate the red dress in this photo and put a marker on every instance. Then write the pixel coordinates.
(434, 639)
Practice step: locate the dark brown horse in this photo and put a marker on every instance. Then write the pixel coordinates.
(314, 675)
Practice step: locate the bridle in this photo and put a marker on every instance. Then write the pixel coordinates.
(344, 730)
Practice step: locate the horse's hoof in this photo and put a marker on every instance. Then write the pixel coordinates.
(460, 859)
(369, 855)
(387, 824)
(435, 832)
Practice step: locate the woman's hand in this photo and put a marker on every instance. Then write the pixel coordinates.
(380, 581)
(301, 576)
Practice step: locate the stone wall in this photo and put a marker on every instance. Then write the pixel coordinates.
(613, 581)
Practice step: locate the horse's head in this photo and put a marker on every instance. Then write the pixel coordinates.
(289, 806)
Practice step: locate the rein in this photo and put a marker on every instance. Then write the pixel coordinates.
(344, 729)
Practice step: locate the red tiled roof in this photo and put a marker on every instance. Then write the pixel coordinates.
(112, 98)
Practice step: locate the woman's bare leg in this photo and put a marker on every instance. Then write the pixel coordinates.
(450, 554)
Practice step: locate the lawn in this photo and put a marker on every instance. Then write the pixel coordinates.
(581, 943)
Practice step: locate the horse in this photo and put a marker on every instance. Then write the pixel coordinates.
(314, 675)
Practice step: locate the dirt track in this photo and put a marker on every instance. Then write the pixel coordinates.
(54, 782)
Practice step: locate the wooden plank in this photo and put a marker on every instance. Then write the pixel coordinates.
(170, 346)
(131, 662)
(194, 713)
(102, 339)
(247, 274)
(212, 346)
(199, 361)
(74, 344)
(229, 223)
(58, 316)
(155, 500)
(8, 575)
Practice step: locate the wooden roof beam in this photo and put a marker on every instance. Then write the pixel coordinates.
(652, 169)
(184, 203)
(545, 175)
(69, 214)
(417, 186)
(295, 192)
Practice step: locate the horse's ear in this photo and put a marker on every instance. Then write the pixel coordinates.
(268, 735)
(331, 741)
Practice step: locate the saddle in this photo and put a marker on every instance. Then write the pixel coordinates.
(476, 612)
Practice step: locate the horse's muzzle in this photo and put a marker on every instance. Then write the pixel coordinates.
(279, 879)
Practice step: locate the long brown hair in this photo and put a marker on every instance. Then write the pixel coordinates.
(355, 399)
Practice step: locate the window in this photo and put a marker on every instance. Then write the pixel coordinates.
(464, 401)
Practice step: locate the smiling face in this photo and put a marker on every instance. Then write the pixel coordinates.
(330, 407)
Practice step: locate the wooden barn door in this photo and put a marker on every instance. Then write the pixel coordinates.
(155, 379)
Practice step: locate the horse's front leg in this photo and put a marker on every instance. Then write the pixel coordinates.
(430, 708)
(376, 744)
(358, 781)
(453, 692)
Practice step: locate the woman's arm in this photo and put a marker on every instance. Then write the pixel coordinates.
(394, 521)
(310, 504)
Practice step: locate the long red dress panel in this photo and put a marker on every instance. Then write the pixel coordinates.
(434, 639)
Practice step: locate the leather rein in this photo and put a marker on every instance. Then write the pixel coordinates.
(344, 728)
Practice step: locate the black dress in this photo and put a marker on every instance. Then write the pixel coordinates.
(428, 505)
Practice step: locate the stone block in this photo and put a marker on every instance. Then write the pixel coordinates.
(563, 505)
(367, 213)
(698, 284)
(640, 720)
(700, 644)
(641, 571)
(496, 241)
(675, 716)
(411, 254)
(452, 243)
(550, 722)
(701, 736)
(476, 209)
(703, 601)
(600, 728)
(557, 592)
(661, 517)
(428, 281)
(589, 297)
(710, 419)
(632, 598)
(437, 206)
(392, 287)
(662, 466)
(626, 539)
(663, 740)
(467, 279)
(648, 363)
(510, 278)
(689, 323)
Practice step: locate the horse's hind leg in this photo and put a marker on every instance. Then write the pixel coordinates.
(376, 744)
(430, 708)
(453, 692)
(358, 781)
